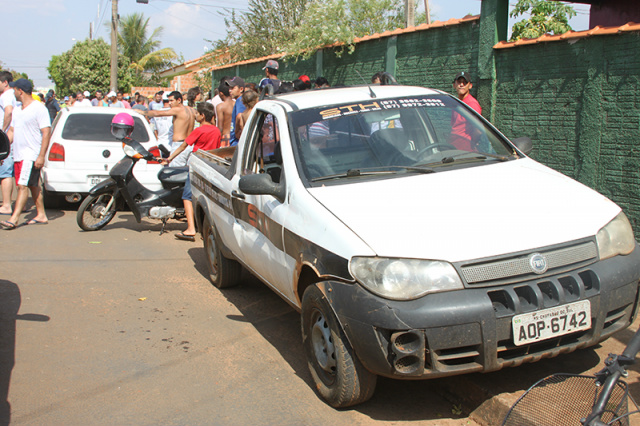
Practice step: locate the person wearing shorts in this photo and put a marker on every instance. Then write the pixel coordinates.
(29, 132)
(7, 103)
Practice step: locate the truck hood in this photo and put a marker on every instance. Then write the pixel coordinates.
(470, 213)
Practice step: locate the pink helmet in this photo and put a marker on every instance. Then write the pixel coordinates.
(122, 125)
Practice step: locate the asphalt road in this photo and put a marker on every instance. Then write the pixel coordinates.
(122, 327)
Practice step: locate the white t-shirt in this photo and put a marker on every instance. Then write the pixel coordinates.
(7, 98)
(164, 127)
(215, 102)
(27, 134)
(83, 103)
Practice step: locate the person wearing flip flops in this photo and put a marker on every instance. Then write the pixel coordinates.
(207, 136)
(29, 134)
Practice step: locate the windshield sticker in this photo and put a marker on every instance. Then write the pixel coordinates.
(345, 110)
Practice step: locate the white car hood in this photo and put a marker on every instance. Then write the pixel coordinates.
(471, 213)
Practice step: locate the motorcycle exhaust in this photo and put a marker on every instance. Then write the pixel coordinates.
(73, 198)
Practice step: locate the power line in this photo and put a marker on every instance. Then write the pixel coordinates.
(206, 5)
(208, 30)
(103, 8)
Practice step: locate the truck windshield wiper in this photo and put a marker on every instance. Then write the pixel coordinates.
(478, 156)
(370, 171)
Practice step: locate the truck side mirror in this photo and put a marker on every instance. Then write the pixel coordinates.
(524, 144)
(262, 184)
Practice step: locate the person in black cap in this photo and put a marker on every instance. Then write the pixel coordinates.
(462, 85)
(461, 134)
(236, 89)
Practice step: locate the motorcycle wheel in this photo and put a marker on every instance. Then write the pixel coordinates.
(92, 213)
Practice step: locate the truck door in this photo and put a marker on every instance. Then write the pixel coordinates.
(262, 217)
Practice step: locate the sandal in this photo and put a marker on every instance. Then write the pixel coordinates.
(8, 225)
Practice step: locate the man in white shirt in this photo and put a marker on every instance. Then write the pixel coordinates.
(7, 103)
(81, 101)
(29, 134)
(163, 126)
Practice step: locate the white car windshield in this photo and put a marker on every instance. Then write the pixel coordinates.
(390, 136)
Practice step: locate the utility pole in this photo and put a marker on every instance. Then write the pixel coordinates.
(114, 45)
(409, 13)
(426, 10)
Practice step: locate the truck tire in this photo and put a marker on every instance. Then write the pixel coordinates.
(338, 374)
(223, 272)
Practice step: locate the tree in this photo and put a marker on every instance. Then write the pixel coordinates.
(87, 67)
(143, 51)
(263, 30)
(330, 21)
(299, 27)
(15, 74)
(547, 17)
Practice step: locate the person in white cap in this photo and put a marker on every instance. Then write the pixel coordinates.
(81, 101)
(113, 102)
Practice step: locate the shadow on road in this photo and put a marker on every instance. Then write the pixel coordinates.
(9, 305)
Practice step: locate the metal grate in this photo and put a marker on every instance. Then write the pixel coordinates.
(521, 266)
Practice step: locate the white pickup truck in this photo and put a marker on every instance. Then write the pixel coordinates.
(413, 237)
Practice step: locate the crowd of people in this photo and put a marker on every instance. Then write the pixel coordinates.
(181, 125)
(211, 124)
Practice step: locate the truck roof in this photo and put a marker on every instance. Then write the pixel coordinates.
(333, 95)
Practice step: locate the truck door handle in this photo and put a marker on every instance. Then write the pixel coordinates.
(236, 194)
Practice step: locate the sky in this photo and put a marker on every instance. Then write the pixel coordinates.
(53, 26)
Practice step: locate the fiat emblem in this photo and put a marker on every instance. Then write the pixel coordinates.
(538, 263)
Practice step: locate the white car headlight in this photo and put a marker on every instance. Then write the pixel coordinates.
(404, 279)
(615, 238)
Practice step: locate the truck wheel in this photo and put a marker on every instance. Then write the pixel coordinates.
(223, 272)
(338, 374)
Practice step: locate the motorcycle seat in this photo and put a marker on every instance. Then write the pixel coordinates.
(173, 175)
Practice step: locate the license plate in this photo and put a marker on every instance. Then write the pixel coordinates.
(552, 322)
(94, 180)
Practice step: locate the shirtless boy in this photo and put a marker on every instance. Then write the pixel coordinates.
(224, 112)
(183, 117)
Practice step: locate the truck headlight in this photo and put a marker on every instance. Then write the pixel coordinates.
(615, 238)
(404, 279)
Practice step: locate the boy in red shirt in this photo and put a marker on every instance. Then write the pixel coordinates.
(206, 137)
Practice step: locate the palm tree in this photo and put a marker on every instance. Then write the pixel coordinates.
(143, 51)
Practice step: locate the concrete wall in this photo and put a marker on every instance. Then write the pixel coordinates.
(579, 102)
(578, 99)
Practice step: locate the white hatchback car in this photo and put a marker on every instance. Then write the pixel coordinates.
(83, 150)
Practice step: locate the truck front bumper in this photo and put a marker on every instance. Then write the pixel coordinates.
(470, 330)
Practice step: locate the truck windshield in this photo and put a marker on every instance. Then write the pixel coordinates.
(395, 135)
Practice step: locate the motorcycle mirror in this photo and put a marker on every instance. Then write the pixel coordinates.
(5, 145)
(133, 147)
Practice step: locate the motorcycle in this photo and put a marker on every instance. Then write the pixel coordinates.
(123, 189)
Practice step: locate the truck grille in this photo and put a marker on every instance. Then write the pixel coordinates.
(506, 268)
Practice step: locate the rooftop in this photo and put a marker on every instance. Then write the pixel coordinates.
(571, 35)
